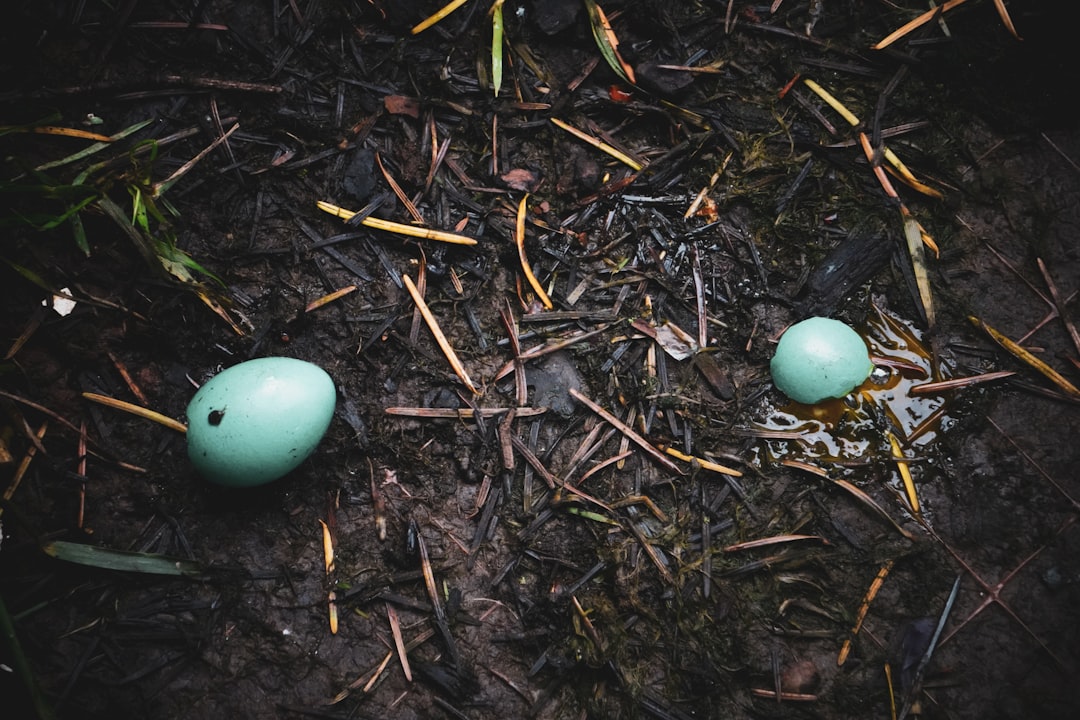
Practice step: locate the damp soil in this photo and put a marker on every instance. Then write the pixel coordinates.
(573, 574)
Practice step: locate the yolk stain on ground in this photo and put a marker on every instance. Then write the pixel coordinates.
(852, 430)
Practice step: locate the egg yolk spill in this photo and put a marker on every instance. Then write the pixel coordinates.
(854, 430)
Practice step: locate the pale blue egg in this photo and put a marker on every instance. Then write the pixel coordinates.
(819, 358)
(256, 421)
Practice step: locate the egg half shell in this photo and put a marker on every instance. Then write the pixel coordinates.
(819, 358)
(256, 421)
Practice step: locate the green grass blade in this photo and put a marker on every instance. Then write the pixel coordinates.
(21, 665)
(79, 232)
(29, 275)
(121, 559)
(96, 147)
(497, 45)
(603, 40)
(47, 120)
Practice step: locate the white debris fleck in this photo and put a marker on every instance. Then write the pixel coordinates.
(62, 304)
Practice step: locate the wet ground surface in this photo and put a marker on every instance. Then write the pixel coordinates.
(576, 574)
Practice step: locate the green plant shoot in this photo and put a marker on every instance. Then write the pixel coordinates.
(497, 45)
(607, 42)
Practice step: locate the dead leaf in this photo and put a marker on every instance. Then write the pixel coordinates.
(402, 105)
(521, 179)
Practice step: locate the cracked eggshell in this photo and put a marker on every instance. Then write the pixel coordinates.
(820, 358)
(256, 421)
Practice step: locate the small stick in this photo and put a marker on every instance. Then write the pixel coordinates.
(378, 672)
(599, 145)
(1060, 152)
(902, 170)
(871, 593)
(706, 464)
(505, 432)
(433, 133)
(905, 473)
(699, 296)
(628, 432)
(487, 518)
(920, 671)
(1006, 20)
(624, 442)
(329, 298)
(785, 696)
(393, 227)
(550, 347)
(122, 369)
(613, 460)
(775, 540)
(1007, 263)
(439, 15)
(1065, 319)
(24, 465)
(1019, 352)
(535, 463)
(137, 410)
(460, 413)
(586, 623)
(440, 338)
(870, 503)
(642, 500)
(585, 449)
(519, 240)
(161, 187)
(917, 23)
(409, 205)
(421, 288)
(378, 503)
(399, 641)
(665, 573)
(521, 389)
(934, 388)
(82, 474)
(495, 144)
(916, 238)
(436, 602)
(1048, 317)
(855, 491)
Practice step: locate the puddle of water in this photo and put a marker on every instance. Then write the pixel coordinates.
(853, 430)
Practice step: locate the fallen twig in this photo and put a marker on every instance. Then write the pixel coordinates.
(393, 227)
(1016, 350)
(628, 432)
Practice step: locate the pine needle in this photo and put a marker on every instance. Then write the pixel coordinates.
(917, 23)
(905, 473)
(440, 338)
(1053, 375)
(702, 463)
(137, 410)
(600, 145)
(398, 228)
(439, 15)
(519, 240)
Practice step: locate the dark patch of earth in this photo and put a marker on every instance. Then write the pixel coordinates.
(555, 613)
